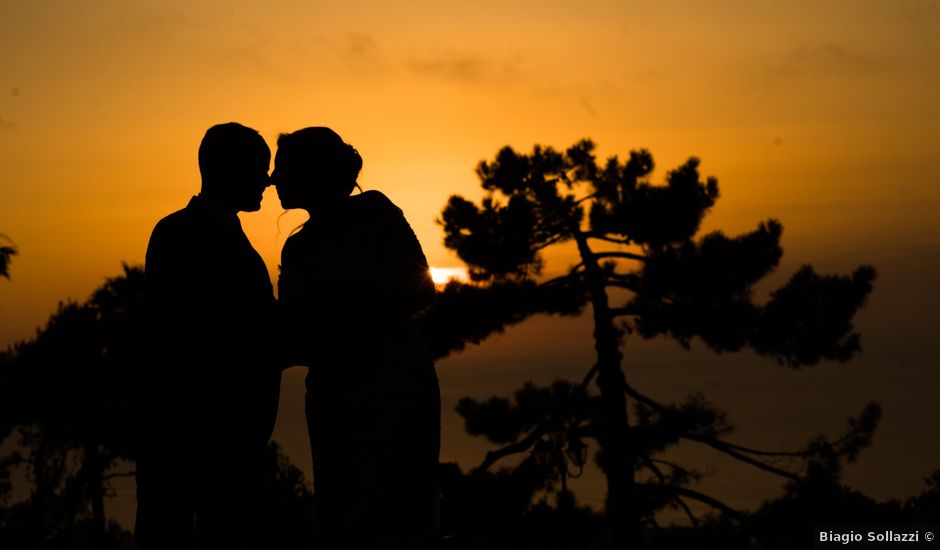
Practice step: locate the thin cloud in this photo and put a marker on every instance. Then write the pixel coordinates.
(363, 57)
(361, 54)
(358, 55)
(830, 54)
(145, 27)
(245, 55)
(361, 47)
(151, 22)
(828, 59)
(588, 107)
(462, 68)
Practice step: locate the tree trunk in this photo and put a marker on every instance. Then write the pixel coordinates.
(95, 479)
(40, 497)
(622, 507)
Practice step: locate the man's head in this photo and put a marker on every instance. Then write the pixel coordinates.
(234, 162)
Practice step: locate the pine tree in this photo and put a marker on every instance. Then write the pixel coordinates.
(643, 271)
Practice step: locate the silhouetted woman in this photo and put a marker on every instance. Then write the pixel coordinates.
(352, 279)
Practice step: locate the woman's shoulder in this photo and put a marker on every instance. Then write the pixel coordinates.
(374, 201)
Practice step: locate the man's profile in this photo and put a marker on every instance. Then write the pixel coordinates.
(208, 397)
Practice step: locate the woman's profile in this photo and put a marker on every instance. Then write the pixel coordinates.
(352, 279)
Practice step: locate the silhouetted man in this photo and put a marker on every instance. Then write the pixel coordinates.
(209, 397)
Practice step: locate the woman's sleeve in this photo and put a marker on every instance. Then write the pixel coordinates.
(409, 277)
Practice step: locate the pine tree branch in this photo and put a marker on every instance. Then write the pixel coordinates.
(625, 286)
(703, 498)
(13, 459)
(585, 198)
(628, 281)
(748, 450)
(712, 442)
(588, 377)
(651, 464)
(623, 311)
(574, 271)
(687, 510)
(721, 446)
(119, 474)
(520, 446)
(677, 468)
(623, 255)
(549, 242)
(525, 443)
(623, 277)
(604, 237)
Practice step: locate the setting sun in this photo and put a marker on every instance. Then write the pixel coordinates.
(443, 275)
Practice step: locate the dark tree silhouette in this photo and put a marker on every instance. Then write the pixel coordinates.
(68, 397)
(288, 502)
(7, 251)
(68, 414)
(643, 271)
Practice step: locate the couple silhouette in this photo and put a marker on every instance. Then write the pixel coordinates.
(351, 281)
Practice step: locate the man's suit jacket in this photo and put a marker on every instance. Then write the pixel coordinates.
(213, 328)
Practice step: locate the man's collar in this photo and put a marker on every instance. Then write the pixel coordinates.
(214, 210)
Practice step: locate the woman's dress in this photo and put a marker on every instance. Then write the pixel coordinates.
(350, 285)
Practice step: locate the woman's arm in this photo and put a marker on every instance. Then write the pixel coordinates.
(409, 279)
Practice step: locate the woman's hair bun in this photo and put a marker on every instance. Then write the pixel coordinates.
(323, 151)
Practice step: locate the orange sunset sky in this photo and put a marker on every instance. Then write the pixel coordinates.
(823, 114)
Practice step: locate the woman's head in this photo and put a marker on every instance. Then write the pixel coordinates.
(314, 168)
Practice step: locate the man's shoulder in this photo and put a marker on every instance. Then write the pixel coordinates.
(184, 222)
(295, 243)
(175, 221)
(176, 230)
